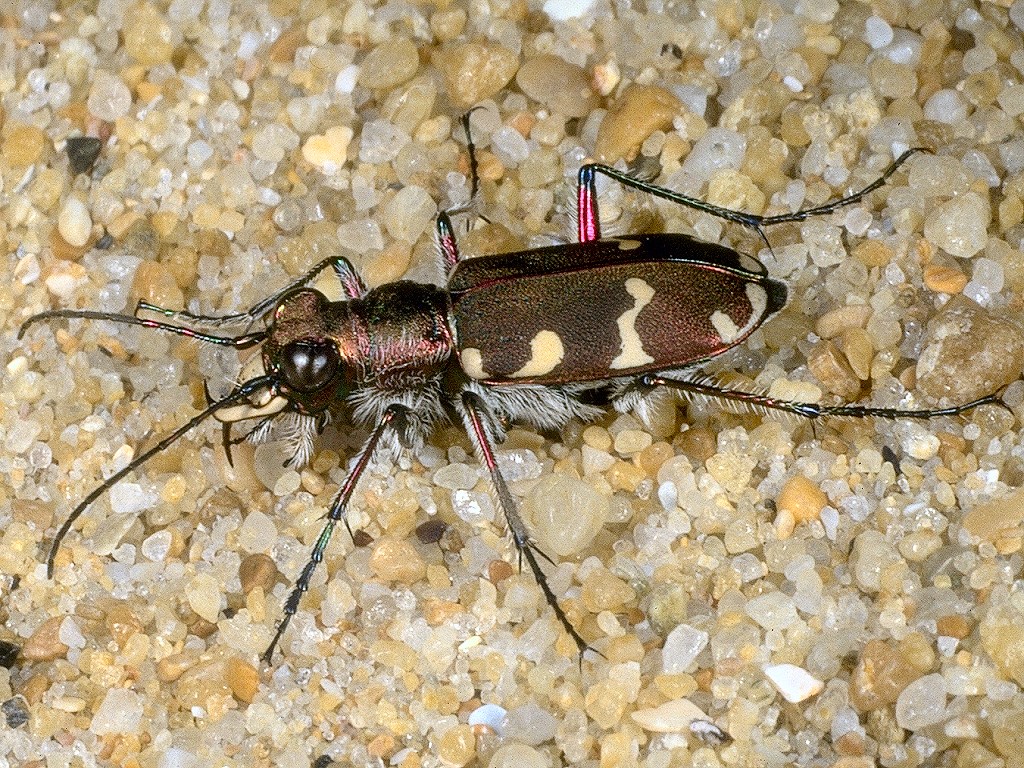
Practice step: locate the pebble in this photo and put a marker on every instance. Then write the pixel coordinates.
(604, 591)
(457, 747)
(795, 683)
(120, 712)
(943, 279)
(390, 64)
(870, 556)
(109, 98)
(670, 717)
(257, 532)
(922, 703)
(328, 151)
(518, 756)
(832, 368)
(24, 145)
(203, 593)
(565, 514)
(563, 10)
(82, 152)
(682, 646)
(997, 517)
(562, 87)
(74, 222)
(409, 213)
(147, 35)
(880, 676)
(1002, 635)
(475, 71)
(773, 610)
(718, 149)
(960, 226)
(44, 644)
(637, 113)
(491, 716)
(243, 679)
(802, 498)
(967, 353)
(397, 560)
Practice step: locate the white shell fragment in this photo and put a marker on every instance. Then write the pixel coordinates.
(671, 717)
(490, 715)
(794, 683)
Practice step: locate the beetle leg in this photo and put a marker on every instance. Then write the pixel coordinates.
(590, 228)
(477, 416)
(809, 410)
(351, 284)
(393, 418)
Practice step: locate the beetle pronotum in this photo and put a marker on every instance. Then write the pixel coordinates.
(515, 337)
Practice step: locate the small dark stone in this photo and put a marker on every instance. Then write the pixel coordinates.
(889, 455)
(322, 762)
(105, 242)
(82, 153)
(431, 531)
(15, 711)
(362, 539)
(8, 654)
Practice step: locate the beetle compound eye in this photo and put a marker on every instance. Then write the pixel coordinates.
(309, 365)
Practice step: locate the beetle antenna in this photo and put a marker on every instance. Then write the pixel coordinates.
(240, 393)
(243, 341)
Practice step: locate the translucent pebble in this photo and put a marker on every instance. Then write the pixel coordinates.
(203, 594)
(198, 152)
(389, 64)
(517, 756)
(978, 59)
(794, 683)
(531, 724)
(257, 533)
(682, 646)
(70, 634)
(21, 435)
(74, 222)
(565, 514)
(877, 32)
(774, 610)
(347, 78)
(361, 235)
(988, 273)
(409, 213)
(945, 106)
(905, 47)
(820, 11)
(922, 703)
(959, 226)
(381, 142)
(456, 475)
(120, 712)
(130, 499)
(563, 10)
(718, 148)
(157, 546)
(1017, 14)
(510, 146)
(475, 508)
(109, 98)
(871, 555)
(273, 141)
(490, 715)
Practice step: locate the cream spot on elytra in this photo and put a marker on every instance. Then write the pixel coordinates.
(473, 363)
(633, 354)
(546, 352)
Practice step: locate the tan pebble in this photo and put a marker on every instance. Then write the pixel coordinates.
(606, 77)
(1002, 637)
(257, 570)
(148, 36)
(242, 678)
(44, 644)
(631, 441)
(785, 524)
(835, 322)
(328, 151)
(560, 86)
(475, 71)
(859, 351)
(833, 370)
(670, 717)
(698, 443)
(457, 746)
(122, 623)
(448, 24)
(382, 746)
(1011, 212)
(65, 277)
(802, 498)
(944, 279)
(170, 668)
(282, 50)
(639, 111)
(24, 145)
(954, 625)
(397, 560)
(604, 591)
(873, 253)
(605, 702)
(390, 64)
(499, 570)
(880, 676)
(155, 283)
(968, 352)
(438, 612)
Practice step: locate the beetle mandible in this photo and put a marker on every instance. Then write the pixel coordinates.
(515, 337)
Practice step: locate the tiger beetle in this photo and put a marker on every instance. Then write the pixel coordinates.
(528, 337)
